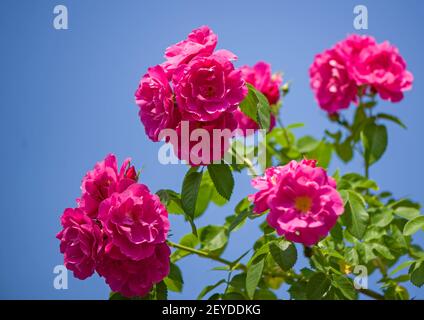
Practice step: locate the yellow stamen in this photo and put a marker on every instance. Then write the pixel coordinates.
(303, 204)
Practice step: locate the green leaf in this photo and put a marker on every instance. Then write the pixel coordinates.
(408, 213)
(351, 256)
(233, 296)
(337, 232)
(117, 296)
(298, 290)
(359, 122)
(307, 144)
(284, 253)
(383, 251)
(238, 219)
(359, 182)
(396, 292)
(322, 154)
(317, 286)
(400, 267)
(174, 280)
(344, 150)
(391, 118)
(355, 216)
(203, 198)
(249, 104)
(417, 273)
(264, 111)
(374, 141)
(345, 286)
(190, 192)
(382, 217)
(256, 107)
(161, 291)
(264, 294)
(413, 226)
(213, 238)
(209, 288)
(222, 178)
(263, 250)
(171, 200)
(254, 274)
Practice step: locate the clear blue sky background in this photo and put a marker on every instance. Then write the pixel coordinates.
(67, 101)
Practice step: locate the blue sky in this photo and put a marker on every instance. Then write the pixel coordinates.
(67, 101)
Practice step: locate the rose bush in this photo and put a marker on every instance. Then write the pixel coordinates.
(119, 229)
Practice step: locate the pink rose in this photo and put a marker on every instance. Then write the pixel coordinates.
(200, 147)
(208, 86)
(200, 42)
(155, 99)
(135, 221)
(262, 79)
(135, 277)
(80, 242)
(331, 82)
(99, 183)
(304, 204)
(382, 67)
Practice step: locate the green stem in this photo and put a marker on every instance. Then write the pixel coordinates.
(280, 123)
(371, 294)
(247, 162)
(367, 168)
(207, 255)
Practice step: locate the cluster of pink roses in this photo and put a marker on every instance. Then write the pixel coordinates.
(199, 87)
(118, 229)
(358, 62)
(302, 200)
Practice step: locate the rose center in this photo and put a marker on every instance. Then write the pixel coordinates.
(303, 204)
(209, 91)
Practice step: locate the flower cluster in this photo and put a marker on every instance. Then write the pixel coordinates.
(356, 65)
(302, 200)
(196, 85)
(119, 229)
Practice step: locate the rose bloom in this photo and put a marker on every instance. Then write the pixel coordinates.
(135, 277)
(155, 99)
(199, 147)
(351, 47)
(263, 80)
(200, 42)
(304, 204)
(99, 183)
(135, 221)
(331, 82)
(383, 68)
(80, 242)
(208, 86)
